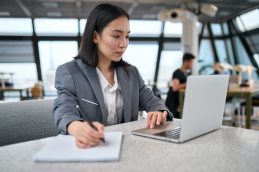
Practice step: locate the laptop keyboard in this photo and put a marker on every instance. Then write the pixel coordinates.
(173, 134)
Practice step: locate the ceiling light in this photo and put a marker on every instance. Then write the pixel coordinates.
(50, 4)
(5, 13)
(54, 14)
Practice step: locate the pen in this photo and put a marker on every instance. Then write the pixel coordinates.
(89, 122)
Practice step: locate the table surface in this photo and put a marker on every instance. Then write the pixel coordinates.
(235, 88)
(227, 149)
(14, 88)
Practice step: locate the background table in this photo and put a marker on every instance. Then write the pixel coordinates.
(19, 89)
(236, 91)
(228, 149)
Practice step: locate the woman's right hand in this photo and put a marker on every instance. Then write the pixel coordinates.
(85, 135)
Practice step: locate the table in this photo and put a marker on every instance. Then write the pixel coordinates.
(235, 90)
(19, 89)
(227, 149)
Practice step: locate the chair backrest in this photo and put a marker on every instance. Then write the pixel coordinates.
(26, 120)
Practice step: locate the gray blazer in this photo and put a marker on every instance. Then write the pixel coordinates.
(76, 81)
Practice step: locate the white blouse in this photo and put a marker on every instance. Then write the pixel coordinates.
(112, 98)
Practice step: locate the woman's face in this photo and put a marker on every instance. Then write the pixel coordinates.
(113, 40)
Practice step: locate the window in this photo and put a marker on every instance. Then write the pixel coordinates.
(143, 56)
(173, 29)
(216, 29)
(15, 26)
(243, 56)
(225, 29)
(56, 27)
(206, 31)
(221, 50)
(240, 24)
(16, 52)
(241, 53)
(24, 73)
(230, 52)
(206, 58)
(145, 28)
(82, 26)
(254, 40)
(53, 54)
(256, 57)
(250, 19)
(170, 61)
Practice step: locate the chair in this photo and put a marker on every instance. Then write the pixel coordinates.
(26, 120)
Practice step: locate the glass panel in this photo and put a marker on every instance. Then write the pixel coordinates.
(199, 26)
(256, 57)
(24, 73)
(143, 28)
(216, 29)
(173, 29)
(225, 29)
(257, 48)
(205, 32)
(53, 54)
(243, 56)
(250, 43)
(250, 19)
(206, 58)
(255, 39)
(15, 26)
(82, 26)
(172, 46)
(230, 52)
(143, 56)
(56, 27)
(221, 50)
(16, 52)
(170, 61)
(241, 53)
(240, 24)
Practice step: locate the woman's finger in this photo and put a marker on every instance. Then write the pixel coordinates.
(99, 127)
(90, 132)
(164, 116)
(80, 145)
(153, 121)
(81, 142)
(90, 135)
(149, 118)
(159, 118)
(92, 141)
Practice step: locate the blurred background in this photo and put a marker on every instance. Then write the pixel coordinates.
(36, 36)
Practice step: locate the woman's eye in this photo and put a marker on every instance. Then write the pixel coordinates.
(128, 37)
(116, 36)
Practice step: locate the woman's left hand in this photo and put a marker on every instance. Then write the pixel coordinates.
(156, 118)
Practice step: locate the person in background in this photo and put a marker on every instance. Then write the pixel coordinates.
(179, 82)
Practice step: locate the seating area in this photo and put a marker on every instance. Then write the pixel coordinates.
(25, 121)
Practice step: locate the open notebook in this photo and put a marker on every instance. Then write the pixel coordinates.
(63, 149)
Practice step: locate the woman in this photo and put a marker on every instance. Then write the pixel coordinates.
(98, 85)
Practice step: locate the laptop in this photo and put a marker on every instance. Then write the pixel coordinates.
(204, 104)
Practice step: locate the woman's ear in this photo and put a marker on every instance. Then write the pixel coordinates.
(95, 40)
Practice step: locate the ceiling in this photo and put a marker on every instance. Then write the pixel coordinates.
(138, 9)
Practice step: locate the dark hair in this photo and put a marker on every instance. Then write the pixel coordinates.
(98, 19)
(188, 57)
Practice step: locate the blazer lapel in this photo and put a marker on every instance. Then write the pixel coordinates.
(92, 77)
(123, 79)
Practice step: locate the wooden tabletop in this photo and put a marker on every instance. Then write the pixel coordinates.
(235, 88)
(15, 88)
